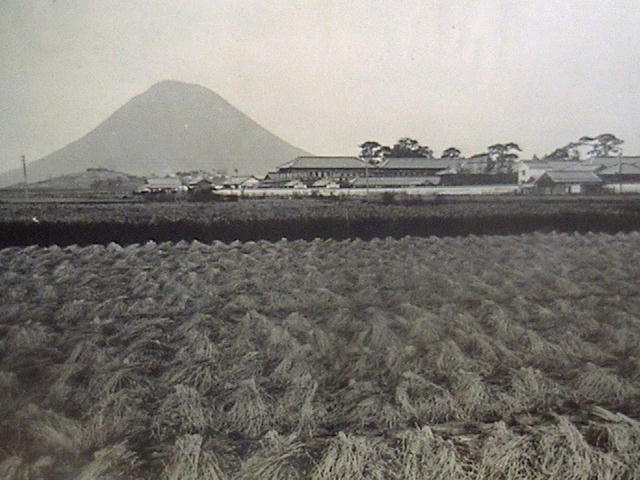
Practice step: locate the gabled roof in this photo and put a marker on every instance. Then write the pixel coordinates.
(323, 182)
(621, 169)
(581, 167)
(477, 158)
(196, 181)
(571, 177)
(324, 162)
(394, 181)
(610, 161)
(417, 163)
(448, 171)
(239, 179)
(166, 182)
(550, 165)
(294, 183)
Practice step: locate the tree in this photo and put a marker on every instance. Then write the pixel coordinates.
(373, 153)
(604, 145)
(568, 153)
(503, 156)
(451, 153)
(409, 147)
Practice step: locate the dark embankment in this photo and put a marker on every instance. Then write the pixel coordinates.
(100, 232)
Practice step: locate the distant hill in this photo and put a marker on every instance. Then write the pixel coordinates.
(96, 179)
(172, 126)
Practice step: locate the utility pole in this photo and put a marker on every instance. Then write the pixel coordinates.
(620, 172)
(366, 176)
(24, 172)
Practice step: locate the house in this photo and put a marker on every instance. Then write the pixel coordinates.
(314, 168)
(394, 182)
(478, 163)
(562, 182)
(410, 167)
(200, 185)
(620, 173)
(325, 183)
(531, 170)
(237, 181)
(295, 184)
(162, 185)
(452, 178)
(613, 161)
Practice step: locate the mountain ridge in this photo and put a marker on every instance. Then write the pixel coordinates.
(171, 126)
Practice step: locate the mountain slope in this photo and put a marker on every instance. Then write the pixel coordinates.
(99, 179)
(172, 126)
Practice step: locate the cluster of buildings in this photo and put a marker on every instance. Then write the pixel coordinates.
(335, 172)
(197, 183)
(597, 174)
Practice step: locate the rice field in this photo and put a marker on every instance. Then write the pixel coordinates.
(512, 357)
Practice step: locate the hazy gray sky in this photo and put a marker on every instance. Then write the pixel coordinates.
(326, 75)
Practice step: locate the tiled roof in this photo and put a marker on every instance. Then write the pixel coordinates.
(394, 181)
(293, 183)
(572, 177)
(418, 163)
(610, 161)
(240, 178)
(196, 181)
(323, 182)
(324, 162)
(581, 167)
(168, 182)
(550, 165)
(621, 169)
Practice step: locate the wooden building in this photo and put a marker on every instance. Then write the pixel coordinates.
(311, 169)
(568, 182)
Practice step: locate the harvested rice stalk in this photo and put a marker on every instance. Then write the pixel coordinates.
(506, 456)
(564, 453)
(450, 358)
(14, 468)
(596, 384)
(28, 337)
(363, 405)
(115, 462)
(473, 396)
(298, 407)
(424, 455)
(116, 376)
(351, 457)
(196, 345)
(280, 340)
(198, 374)
(115, 416)
(9, 385)
(51, 431)
(188, 461)
(181, 412)
(622, 440)
(247, 410)
(531, 389)
(295, 363)
(425, 401)
(281, 457)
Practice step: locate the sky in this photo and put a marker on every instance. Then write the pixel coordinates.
(327, 75)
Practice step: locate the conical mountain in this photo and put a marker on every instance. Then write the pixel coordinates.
(171, 127)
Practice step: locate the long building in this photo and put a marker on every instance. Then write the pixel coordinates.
(314, 168)
(347, 168)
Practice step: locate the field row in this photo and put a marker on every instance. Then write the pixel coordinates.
(376, 207)
(470, 357)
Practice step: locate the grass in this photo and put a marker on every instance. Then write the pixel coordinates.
(464, 358)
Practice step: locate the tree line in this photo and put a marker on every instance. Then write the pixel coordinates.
(498, 158)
